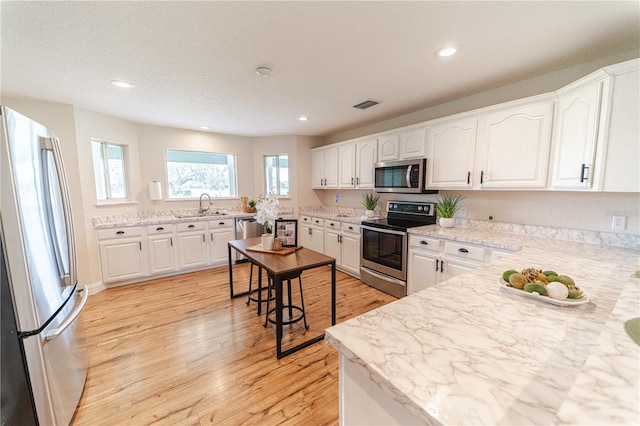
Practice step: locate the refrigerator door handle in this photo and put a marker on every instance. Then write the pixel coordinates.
(51, 146)
(52, 334)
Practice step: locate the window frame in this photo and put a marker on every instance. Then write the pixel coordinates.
(268, 190)
(105, 173)
(233, 177)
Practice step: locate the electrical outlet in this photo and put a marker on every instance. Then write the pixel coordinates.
(618, 223)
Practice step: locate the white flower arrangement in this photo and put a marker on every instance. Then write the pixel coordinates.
(267, 207)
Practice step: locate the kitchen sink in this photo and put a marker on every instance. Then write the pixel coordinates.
(188, 215)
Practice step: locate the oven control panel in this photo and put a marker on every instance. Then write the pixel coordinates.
(411, 207)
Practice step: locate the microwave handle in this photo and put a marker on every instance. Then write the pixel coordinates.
(408, 176)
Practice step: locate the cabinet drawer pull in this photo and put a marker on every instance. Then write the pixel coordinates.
(160, 228)
(331, 224)
(220, 223)
(463, 250)
(119, 232)
(424, 242)
(351, 228)
(191, 226)
(582, 170)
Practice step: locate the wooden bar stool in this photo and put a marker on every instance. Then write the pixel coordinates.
(289, 306)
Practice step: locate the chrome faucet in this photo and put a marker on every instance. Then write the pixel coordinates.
(200, 209)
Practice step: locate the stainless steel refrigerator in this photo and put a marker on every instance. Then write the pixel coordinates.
(44, 364)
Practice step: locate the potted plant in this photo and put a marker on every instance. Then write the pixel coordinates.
(267, 207)
(447, 207)
(370, 202)
(252, 206)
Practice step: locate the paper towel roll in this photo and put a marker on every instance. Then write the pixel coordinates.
(155, 190)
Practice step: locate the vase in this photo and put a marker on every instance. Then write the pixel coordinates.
(267, 241)
(369, 213)
(446, 222)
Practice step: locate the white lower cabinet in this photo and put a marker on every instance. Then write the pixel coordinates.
(432, 260)
(312, 233)
(342, 242)
(220, 233)
(192, 245)
(122, 254)
(162, 253)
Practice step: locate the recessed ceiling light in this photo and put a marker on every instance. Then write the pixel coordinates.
(263, 71)
(303, 118)
(447, 51)
(123, 84)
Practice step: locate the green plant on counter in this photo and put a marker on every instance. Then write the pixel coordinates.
(370, 200)
(448, 205)
(252, 203)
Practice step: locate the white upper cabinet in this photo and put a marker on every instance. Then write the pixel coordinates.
(622, 171)
(577, 133)
(356, 161)
(512, 148)
(389, 147)
(412, 143)
(596, 133)
(347, 169)
(325, 168)
(451, 149)
(505, 148)
(366, 157)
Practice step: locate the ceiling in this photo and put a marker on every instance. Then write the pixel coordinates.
(193, 63)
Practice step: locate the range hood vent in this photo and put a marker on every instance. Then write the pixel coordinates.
(366, 104)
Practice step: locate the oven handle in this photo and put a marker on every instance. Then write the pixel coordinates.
(382, 230)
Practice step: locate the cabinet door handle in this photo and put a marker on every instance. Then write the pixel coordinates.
(463, 250)
(159, 228)
(171, 241)
(423, 242)
(437, 263)
(140, 244)
(469, 178)
(119, 232)
(481, 177)
(203, 239)
(191, 226)
(582, 170)
(212, 237)
(351, 181)
(442, 266)
(310, 231)
(357, 181)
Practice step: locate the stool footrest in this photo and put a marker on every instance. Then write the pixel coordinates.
(290, 320)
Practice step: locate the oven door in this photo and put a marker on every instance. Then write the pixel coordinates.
(385, 251)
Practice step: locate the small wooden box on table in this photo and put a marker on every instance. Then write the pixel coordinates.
(279, 266)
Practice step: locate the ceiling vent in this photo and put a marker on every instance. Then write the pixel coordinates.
(366, 104)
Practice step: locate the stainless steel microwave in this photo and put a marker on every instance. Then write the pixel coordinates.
(404, 176)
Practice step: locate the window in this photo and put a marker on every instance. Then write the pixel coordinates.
(276, 174)
(109, 170)
(192, 173)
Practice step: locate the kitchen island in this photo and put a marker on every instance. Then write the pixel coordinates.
(466, 351)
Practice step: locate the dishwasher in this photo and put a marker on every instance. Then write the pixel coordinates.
(246, 227)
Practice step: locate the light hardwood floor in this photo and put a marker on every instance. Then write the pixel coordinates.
(179, 351)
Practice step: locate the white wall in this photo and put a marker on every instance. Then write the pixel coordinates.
(153, 141)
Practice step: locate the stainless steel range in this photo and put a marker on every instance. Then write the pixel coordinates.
(383, 262)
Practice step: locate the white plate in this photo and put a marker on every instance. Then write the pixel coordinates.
(566, 302)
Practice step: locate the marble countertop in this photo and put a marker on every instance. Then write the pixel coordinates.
(466, 351)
